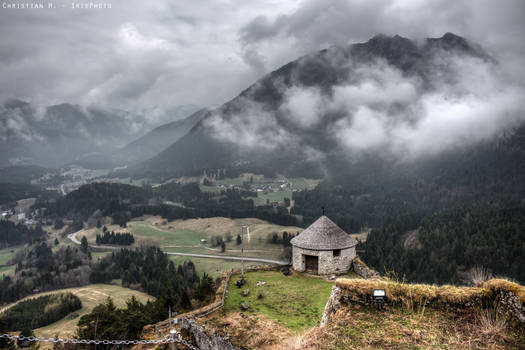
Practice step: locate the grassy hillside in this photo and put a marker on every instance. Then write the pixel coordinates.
(284, 298)
(418, 316)
(185, 235)
(90, 296)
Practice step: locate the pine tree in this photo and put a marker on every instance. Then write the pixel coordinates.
(239, 240)
(84, 246)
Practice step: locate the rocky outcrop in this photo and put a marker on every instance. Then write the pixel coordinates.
(332, 305)
(363, 270)
(202, 340)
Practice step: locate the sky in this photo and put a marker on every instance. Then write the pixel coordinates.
(139, 54)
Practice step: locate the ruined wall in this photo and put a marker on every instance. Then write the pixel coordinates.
(202, 340)
(328, 264)
(363, 270)
(508, 296)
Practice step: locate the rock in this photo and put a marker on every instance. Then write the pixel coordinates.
(244, 306)
(261, 283)
(245, 292)
(332, 305)
(203, 340)
(363, 270)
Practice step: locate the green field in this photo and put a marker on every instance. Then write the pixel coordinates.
(185, 235)
(213, 267)
(7, 270)
(260, 181)
(272, 196)
(8, 253)
(296, 302)
(90, 295)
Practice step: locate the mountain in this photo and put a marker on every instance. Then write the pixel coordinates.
(158, 139)
(60, 134)
(322, 113)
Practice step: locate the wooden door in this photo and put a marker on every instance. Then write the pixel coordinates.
(311, 264)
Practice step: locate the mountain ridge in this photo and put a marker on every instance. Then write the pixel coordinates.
(218, 140)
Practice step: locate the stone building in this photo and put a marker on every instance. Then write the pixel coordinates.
(323, 248)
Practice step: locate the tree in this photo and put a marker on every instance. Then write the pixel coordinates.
(26, 332)
(99, 224)
(205, 288)
(58, 224)
(84, 246)
(5, 343)
(104, 229)
(56, 241)
(239, 240)
(223, 247)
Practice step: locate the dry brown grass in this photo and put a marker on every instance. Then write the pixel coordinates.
(492, 323)
(497, 284)
(363, 327)
(412, 294)
(251, 331)
(479, 275)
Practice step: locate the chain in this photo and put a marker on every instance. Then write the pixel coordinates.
(171, 338)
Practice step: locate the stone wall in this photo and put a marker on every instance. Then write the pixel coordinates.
(363, 270)
(202, 340)
(328, 264)
(508, 297)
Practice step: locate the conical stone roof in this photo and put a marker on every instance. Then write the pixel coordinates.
(323, 234)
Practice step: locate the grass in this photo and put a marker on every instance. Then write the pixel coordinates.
(272, 196)
(213, 267)
(416, 294)
(364, 327)
(7, 270)
(185, 235)
(90, 295)
(7, 254)
(296, 183)
(295, 302)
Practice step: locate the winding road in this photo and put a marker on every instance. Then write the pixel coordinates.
(74, 239)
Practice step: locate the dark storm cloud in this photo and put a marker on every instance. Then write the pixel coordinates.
(163, 53)
(497, 25)
(473, 100)
(135, 55)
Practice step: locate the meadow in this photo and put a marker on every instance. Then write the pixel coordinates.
(259, 181)
(185, 236)
(90, 296)
(295, 302)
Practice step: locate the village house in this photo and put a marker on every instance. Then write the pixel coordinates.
(323, 248)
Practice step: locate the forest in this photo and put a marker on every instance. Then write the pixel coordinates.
(123, 202)
(148, 269)
(127, 323)
(15, 234)
(39, 312)
(39, 268)
(118, 238)
(452, 242)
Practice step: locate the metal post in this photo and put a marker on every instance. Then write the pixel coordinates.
(242, 263)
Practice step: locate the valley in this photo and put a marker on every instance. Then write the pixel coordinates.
(90, 296)
(186, 237)
(370, 194)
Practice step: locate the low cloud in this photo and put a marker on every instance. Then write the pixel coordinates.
(457, 101)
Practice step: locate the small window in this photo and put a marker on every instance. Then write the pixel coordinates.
(337, 252)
